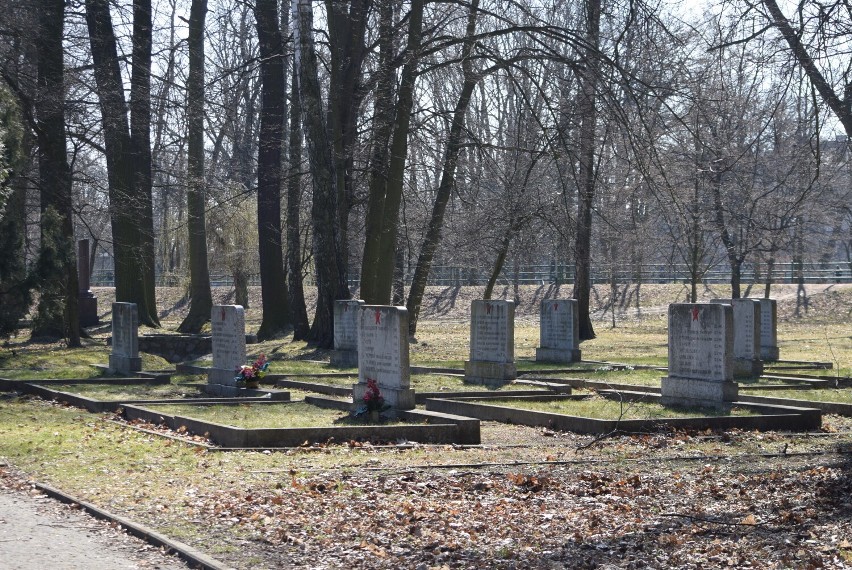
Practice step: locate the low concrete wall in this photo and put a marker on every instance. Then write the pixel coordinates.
(775, 418)
(179, 347)
(228, 436)
(826, 407)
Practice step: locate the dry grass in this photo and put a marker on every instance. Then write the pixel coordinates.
(601, 408)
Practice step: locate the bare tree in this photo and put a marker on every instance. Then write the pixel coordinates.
(201, 299)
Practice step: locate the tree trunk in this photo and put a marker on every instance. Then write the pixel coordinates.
(448, 178)
(382, 128)
(58, 313)
(347, 29)
(130, 209)
(301, 327)
(329, 265)
(273, 282)
(586, 197)
(380, 255)
(140, 148)
(201, 299)
(498, 264)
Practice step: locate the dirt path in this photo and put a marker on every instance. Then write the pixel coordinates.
(37, 532)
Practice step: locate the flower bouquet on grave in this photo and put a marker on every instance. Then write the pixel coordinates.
(249, 376)
(374, 402)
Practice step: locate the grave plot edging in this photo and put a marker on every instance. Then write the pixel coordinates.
(783, 418)
(229, 436)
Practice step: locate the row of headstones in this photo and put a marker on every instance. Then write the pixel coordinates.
(711, 344)
(492, 337)
(228, 340)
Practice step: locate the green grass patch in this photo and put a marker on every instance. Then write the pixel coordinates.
(837, 395)
(601, 408)
(289, 415)
(606, 374)
(120, 392)
(39, 362)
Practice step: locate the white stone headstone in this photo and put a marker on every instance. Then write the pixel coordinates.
(383, 355)
(492, 343)
(229, 343)
(124, 357)
(701, 345)
(769, 330)
(559, 331)
(747, 318)
(345, 351)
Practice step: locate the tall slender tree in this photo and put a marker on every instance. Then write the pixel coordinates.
(384, 201)
(58, 313)
(201, 299)
(301, 325)
(273, 110)
(329, 264)
(587, 172)
(128, 156)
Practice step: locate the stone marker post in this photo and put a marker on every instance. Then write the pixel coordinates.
(701, 347)
(747, 319)
(559, 331)
(769, 330)
(345, 353)
(383, 355)
(124, 357)
(88, 303)
(492, 343)
(229, 346)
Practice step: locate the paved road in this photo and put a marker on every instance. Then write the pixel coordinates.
(38, 533)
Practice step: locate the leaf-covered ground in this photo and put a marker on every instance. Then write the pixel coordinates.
(526, 498)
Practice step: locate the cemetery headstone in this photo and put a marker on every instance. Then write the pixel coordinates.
(383, 355)
(124, 357)
(769, 330)
(88, 303)
(229, 346)
(492, 343)
(559, 331)
(747, 320)
(701, 348)
(345, 353)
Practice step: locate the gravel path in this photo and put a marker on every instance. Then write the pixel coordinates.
(39, 533)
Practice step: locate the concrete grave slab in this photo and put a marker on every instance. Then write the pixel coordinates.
(345, 353)
(559, 331)
(124, 357)
(747, 321)
(701, 342)
(229, 344)
(769, 330)
(383, 355)
(492, 343)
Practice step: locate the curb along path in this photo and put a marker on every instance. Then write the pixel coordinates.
(37, 532)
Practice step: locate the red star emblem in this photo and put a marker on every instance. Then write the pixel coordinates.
(378, 317)
(695, 313)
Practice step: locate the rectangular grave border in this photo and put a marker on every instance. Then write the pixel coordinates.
(152, 379)
(604, 385)
(838, 408)
(103, 406)
(774, 417)
(445, 429)
(420, 397)
(439, 428)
